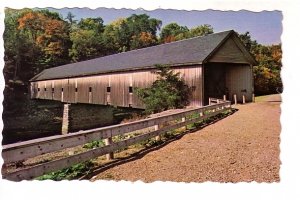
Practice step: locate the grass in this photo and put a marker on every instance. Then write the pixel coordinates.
(263, 97)
(260, 98)
(68, 173)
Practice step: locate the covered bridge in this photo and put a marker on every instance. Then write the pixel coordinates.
(213, 65)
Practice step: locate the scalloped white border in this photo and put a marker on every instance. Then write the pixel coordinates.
(290, 117)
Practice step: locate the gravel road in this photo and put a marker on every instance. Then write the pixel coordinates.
(242, 147)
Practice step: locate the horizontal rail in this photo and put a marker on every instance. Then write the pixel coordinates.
(23, 150)
(40, 169)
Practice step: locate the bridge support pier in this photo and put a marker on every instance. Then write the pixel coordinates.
(65, 121)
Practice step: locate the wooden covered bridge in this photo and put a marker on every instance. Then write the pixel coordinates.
(213, 66)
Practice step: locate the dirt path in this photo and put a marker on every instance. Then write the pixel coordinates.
(242, 147)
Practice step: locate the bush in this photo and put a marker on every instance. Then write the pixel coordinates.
(69, 173)
(169, 91)
(94, 144)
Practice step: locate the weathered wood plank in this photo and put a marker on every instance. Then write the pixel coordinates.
(239, 81)
(229, 52)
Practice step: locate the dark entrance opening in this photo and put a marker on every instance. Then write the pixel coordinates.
(214, 81)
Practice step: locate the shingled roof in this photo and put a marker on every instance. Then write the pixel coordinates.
(189, 51)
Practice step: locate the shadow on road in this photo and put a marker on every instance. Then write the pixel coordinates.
(156, 146)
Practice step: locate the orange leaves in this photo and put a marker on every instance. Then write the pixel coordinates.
(143, 39)
(54, 48)
(146, 38)
(31, 20)
(169, 38)
(53, 26)
(276, 52)
(46, 32)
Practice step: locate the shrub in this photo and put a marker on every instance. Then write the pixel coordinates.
(169, 91)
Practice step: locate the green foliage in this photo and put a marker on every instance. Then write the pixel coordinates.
(94, 144)
(68, 173)
(86, 45)
(112, 35)
(87, 41)
(95, 24)
(201, 30)
(167, 92)
(136, 31)
(34, 40)
(173, 32)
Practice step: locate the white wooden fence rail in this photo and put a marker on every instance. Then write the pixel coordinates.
(28, 149)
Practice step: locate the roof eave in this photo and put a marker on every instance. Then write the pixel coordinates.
(35, 78)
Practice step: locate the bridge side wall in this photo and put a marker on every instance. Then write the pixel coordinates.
(113, 88)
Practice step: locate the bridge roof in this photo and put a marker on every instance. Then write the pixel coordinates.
(184, 52)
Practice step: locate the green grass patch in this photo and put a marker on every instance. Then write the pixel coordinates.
(94, 144)
(69, 173)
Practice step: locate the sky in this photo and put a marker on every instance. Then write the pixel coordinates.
(265, 27)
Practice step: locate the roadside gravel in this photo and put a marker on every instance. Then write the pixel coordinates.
(243, 147)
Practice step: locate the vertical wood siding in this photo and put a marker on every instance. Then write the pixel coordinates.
(119, 84)
(193, 78)
(229, 52)
(239, 78)
(57, 90)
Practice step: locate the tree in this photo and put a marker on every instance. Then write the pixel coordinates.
(173, 32)
(21, 51)
(95, 24)
(49, 33)
(70, 18)
(134, 32)
(167, 92)
(201, 31)
(251, 45)
(112, 37)
(87, 42)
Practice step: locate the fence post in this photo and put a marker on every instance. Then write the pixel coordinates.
(244, 99)
(253, 97)
(157, 138)
(201, 114)
(109, 156)
(209, 101)
(183, 120)
(224, 97)
(235, 100)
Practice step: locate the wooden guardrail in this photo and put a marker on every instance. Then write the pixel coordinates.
(21, 151)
